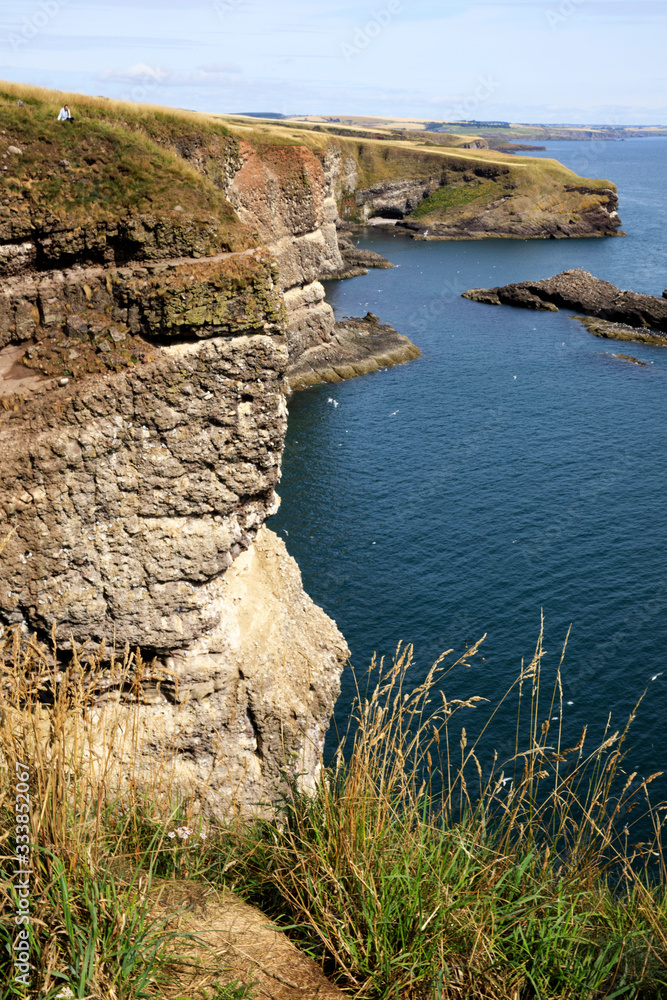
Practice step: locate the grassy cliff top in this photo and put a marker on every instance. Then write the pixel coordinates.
(116, 160)
(483, 176)
(398, 155)
(496, 130)
(122, 160)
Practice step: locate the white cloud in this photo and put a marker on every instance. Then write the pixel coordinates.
(140, 73)
(211, 75)
(220, 68)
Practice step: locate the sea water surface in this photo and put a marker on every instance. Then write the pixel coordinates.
(516, 467)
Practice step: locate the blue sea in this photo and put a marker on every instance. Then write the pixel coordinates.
(516, 468)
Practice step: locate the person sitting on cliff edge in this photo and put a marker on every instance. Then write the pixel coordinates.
(65, 114)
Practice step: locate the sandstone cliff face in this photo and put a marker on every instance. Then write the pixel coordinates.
(248, 704)
(141, 451)
(287, 196)
(142, 422)
(127, 491)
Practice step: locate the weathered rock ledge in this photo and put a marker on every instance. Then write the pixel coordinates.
(358, 347)
(356, 260)
(621, 331)
(621, 315)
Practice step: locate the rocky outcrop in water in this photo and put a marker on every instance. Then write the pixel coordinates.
(512, 215)
(623, 312)
(621, 331)
(358, 347)
(462, 198)
(356, 260)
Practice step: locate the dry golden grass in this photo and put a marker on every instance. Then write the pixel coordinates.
(418, 871)
(415, 870)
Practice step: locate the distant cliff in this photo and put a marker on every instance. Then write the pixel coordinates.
(451, 190)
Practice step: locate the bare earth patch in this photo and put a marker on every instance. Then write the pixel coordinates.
(236, 942)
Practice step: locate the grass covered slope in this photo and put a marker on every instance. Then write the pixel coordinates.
(456, 192)
(117, 163)
(525, 197)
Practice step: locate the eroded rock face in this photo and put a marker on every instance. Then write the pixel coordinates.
(394, 199)
(287, 196)
(127, 491)
(579, 290)
(248, 703)
(28, 244)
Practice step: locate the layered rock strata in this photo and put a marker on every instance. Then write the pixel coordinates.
(142, 426)
(128, 488)
(619, 313)
(395, 198)
(358, 347)
(286, 196)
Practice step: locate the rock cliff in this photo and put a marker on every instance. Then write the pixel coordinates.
(286, 196)
(144, 343)
(161, 291)
(446, 194)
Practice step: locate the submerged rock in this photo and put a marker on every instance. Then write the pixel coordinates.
(631, 359)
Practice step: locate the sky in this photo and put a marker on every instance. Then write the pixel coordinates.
(568, 61)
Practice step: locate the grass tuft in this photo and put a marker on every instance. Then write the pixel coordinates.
(415, 870)
(414, 873)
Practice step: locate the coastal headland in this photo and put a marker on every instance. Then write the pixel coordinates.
(161, 296)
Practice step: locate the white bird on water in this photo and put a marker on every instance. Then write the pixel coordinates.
(334, 401)
(655, 676)
(394, 413)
